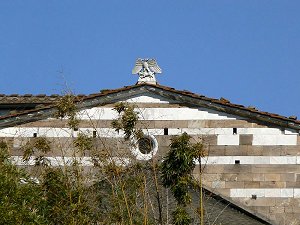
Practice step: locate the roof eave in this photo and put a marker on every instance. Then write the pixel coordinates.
(185, 97)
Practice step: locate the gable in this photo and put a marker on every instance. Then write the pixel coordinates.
(161, 113)
(251, 153)
(157, 94)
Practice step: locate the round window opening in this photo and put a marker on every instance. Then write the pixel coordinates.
(145, 145)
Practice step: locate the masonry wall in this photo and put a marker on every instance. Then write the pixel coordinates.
(251, 164)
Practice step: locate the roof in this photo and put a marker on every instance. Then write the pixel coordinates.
(221, 211)
(217, 209)
(44, 104)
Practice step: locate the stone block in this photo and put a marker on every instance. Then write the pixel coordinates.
(145, 124)
(297, 177)
(286, 193)
(215, 150)
(276, 209)
(47, 123)
(205, 183)
(296, 193)
(261, 160)
(258, 177)
(237, 168)
(288, 218)
(246, 139)
(98, 124)
(283, 201)
(239, 193)
(279, 219)
(218, 184)
(236, 150)
(244, 177)
(283, 160)
(288, 209)
(294, 210)
(197, 123)
(223, 191)
(172, 124)
(234, 184)
(231, 124)
(210, 169)
(272, 193)
(272, 184)
(264, 210)
(272, 177)
(275, 169)
(209, 139)
(163, 141)
(229, 177)
(163, 150)
(211, 177)
(272, 150)
(228, 139)
(255, 150)
(252, 184)
(216, 123)
(290, 177)
(259, 202)
(293, 184)
(290, 150)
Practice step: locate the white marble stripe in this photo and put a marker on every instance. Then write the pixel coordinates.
(224, 135)
(274, 139)
(265, 192)
(230, 139)
(211, 160)
(98, 113)
(68, 161)
(250, 160)
(150, 98)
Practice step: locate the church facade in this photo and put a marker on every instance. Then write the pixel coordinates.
(253, 157)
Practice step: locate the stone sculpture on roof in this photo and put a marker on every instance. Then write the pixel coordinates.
(146, 69)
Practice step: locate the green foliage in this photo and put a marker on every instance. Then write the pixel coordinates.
(83, 142)
(179, 161)
(119, 195)
(180, 216)
(176, 170)
(126, 121)
(3, 152)
(19, 195)
(39, 147)
(66, 108)
(64, 201)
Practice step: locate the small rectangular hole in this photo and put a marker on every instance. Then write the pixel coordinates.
(234, 130)
(94, 133)
(166, 131)
(237, 162)
(75, 128)
(254, 197)
(34, 134)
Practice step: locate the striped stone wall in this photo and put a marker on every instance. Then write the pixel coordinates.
(255, 166)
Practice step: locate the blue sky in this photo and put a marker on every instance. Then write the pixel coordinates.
(245, 51)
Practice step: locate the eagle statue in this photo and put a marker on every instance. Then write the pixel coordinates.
(146, 69)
